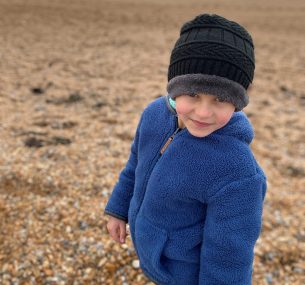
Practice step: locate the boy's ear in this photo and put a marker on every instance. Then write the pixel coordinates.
(171, 104)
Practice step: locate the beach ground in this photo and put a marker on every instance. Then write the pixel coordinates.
(75, 77)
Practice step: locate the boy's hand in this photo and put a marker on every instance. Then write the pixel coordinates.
(117, 229)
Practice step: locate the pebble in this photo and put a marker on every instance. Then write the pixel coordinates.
(268, 278)
(136, 263)
(299, 270)
(48, 272)
(83, 225)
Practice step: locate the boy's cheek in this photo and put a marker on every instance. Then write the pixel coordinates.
(182, 110)
(223, 120)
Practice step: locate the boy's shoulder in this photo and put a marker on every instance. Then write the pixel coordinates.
(156, 111)
(158, 104)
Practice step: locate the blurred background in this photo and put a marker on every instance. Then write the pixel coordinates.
(75, 76)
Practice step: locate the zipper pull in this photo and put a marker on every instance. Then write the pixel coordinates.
(169, 141)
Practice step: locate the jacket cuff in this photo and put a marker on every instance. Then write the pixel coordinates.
(118, 216)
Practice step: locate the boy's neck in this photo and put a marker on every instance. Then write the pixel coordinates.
(180, 123)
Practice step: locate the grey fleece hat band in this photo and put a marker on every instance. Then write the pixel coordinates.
(225, 89)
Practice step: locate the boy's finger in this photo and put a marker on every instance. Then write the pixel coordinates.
(118, 236)
(115, 234)
(122, 233)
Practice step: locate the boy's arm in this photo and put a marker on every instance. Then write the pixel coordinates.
(232, 226)
(118, 203)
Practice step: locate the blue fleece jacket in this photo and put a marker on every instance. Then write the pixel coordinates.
(195, 211)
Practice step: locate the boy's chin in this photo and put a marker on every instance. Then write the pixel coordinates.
(199, 134)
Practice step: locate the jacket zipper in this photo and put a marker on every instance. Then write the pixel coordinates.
(157, 157)
(170, 139)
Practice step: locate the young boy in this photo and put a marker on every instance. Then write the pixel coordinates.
(192, 191)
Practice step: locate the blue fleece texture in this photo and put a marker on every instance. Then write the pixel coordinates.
(195, 211)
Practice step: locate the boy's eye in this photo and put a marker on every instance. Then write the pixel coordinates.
(219, 100)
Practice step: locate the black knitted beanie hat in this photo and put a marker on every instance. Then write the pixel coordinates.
(215, 56)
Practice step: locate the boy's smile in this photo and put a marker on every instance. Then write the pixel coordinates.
(202, 114)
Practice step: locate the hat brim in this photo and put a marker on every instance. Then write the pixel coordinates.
(225, 89)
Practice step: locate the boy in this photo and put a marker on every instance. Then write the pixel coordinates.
(192, 191)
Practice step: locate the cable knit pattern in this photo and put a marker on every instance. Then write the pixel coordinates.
(211, 44)
(195, 211)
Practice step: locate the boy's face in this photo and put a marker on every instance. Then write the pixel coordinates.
(203, 114)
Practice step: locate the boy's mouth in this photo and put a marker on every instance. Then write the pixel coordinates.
(200, 124)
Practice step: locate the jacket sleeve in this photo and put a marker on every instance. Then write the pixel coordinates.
(232, 227)
(118, 203)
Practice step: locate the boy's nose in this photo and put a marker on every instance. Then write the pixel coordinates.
(203, 109)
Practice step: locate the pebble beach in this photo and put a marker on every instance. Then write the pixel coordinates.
(75, 77)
